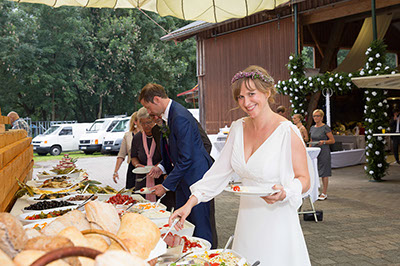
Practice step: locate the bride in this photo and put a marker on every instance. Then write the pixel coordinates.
(265, 150)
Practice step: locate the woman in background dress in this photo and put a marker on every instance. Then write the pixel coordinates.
(297, 120)
(124, 150)
(323, 134)
(265, 150)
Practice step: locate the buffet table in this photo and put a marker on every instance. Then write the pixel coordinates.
(347, 158)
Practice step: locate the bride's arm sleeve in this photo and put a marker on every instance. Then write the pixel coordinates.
(218, 176)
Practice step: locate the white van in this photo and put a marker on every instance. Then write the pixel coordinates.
(59, 138)
(92, 140)
(113, 139)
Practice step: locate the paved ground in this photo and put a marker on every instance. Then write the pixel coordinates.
(361, 223)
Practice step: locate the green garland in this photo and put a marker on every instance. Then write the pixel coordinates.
(375, 113)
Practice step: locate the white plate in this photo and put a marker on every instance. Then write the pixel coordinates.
(188, 228)
(55, 190)
(22, 217)
(39, 224)
(205, 245)
(44, 177)
(144, 190)
(149, 206)
(253, 190)
(156, 214)
(142, 170)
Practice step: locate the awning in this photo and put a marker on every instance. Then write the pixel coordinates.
(391, 81)
(192, 91)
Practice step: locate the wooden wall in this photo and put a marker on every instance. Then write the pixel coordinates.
(268, 45)
(16, 162)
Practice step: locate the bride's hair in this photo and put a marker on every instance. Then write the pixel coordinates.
(262, 81)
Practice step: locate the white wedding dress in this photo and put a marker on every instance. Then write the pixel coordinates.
(268, 233)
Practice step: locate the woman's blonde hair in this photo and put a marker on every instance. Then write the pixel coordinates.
(142, 113)
(319, 111)
(261, 79)
(299, 116)
(132, 125)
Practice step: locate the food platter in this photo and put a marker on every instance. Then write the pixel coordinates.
(35, 199)
(44, 203)
(229, 257)
(252, 190)
(202, 244)
(142, 170)
(22, 217)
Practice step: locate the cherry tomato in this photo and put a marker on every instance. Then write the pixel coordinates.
(236, 188)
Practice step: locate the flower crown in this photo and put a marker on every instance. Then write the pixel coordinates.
(253, 75)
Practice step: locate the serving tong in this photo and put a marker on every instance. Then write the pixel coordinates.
(86, 201)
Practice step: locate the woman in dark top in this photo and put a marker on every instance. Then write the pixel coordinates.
(144, 151)
(322, 134)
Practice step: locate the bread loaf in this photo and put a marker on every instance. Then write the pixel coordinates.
(103, 216)
(31, 233)
(5, 260)
(120, 258)
(97, 242)
(79, 240)
(27, 257)
(12, 234)
(139, 234)
(73, 218)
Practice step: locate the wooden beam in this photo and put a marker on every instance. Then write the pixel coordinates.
(330, 51)
(341, 10)
(317, 43)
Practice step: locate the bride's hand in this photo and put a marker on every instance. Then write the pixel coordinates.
(279, 196)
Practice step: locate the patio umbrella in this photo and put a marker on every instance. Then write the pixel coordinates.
(206, 10)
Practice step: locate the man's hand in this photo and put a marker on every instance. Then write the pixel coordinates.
(115, 177)
(159, 190)
(155, 172)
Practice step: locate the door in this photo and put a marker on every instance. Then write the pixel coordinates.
(67, 139)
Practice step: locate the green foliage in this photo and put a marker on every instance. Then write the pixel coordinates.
(72, 63)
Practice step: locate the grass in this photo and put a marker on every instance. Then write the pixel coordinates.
(72, 154)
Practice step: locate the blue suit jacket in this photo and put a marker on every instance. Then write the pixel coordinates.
(185, 158)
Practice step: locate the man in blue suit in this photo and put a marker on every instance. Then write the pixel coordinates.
(184, 157)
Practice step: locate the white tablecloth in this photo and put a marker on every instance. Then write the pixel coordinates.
(313, 153)
(347, 158)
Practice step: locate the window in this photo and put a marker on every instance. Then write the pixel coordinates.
(96, 126)
(51, 130)
(66, 131)
(121, 126)
(112, 125)
(308, 56)
(341, 55)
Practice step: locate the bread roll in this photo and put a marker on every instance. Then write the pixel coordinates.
(139, 234)
(79, 240)
(5, 260)
(97, 242)
(48, 243)
(27, 257)
(12, 234)
(31, 233)
(73, 218)
(103, 216)
(119, 257)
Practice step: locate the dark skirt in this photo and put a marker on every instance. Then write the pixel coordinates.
(130, 177)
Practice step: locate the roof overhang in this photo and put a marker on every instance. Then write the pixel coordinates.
(391, 81)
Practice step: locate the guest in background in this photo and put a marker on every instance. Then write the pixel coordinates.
(395, 128)
(297, 120)
(125, 150)
(322, 133)
(281, 110)
(19, 123)
(359, 129)
(144, 151)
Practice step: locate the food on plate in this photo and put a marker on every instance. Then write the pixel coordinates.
(192, 245)
(119, 257)
(236, 188)
(43, 173)
(12, 234)
(145, 190)
(145, 206)
(26, 189)
(48, 243)
(65, 166)
(156, 214)
(55, 184)
(121, 199)
(216, 258)
(103, 216)
(189, 243)
(91, 186)
(44, 205)
(73, 218)
(46, 215)
(81, 198)
(27, 257)
(172, 240)
(52, 196)
(138, 233)
(5, 260)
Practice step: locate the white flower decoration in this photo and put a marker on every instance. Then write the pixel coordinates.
(379, 128)
(368, 99)
(301, 87)
(370, 72)
(296, 90)
(373, 110)
(366, 92)
(290, 57)
(380, 104)
(387, 67)
(377, 153)
(311, 84)
(305, 82)
(337, 84)
(370, 145)
(370, 120)
(350, 75)
(379, 64)
(365, 168)
(369, 137)
(362, 73)
(294, 67)
(377, 68)
(291, 72)
(377, 55)
(393, 72)
(370, 59)
(296, 98)
(309, 78)
(380, 138)
(374, 93)
(379, 165)
(322, 83)
(283, 82)
(285, 88)
(330, 79)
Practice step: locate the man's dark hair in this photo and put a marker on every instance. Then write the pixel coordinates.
(150, 91)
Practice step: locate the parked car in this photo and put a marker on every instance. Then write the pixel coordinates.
(113, 139)
(59, 138)
(92, 140)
